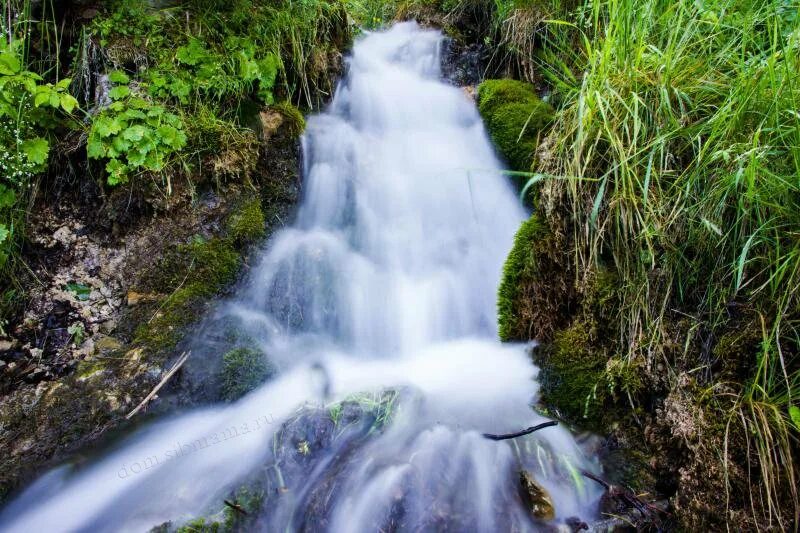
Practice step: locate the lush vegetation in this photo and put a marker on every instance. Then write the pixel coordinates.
(674, 164)
(147, 96)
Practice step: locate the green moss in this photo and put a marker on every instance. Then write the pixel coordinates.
(247, 224)
(209, 266)
(293, 119)
(243, 369)
(515, 117)
(572, 375)
(200, 525)
(520, 264)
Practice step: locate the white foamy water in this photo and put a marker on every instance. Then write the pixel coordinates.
(387, 280)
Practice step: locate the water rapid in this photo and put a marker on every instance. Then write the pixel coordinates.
(384, 285)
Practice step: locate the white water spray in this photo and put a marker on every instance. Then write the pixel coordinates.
(387, 280)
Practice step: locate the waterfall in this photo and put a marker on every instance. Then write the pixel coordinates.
(386, 281)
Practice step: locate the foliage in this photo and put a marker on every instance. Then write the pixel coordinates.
(132, 133)
(677, 148)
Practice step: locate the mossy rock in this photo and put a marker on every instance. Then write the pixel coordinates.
(243, 370)
(536, 293)
(515, 118)
(293, 119)
(573, 374)
(247, 224)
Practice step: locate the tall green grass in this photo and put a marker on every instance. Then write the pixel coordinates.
(679, 138)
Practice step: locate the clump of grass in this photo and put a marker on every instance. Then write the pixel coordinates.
(678, 145)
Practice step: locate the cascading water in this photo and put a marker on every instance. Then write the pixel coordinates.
(387, 281)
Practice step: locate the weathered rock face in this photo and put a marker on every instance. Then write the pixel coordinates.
(105, 319)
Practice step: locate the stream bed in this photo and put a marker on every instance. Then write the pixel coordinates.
(376, 310)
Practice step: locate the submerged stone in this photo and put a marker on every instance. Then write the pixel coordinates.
(536, 499)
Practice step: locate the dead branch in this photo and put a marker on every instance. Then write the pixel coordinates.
(235, 506)
(628, 498)
(522, 433)
(175, 367)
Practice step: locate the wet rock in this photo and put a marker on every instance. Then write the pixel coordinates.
(575, 524)
(536, 499)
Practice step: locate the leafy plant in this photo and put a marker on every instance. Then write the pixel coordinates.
(29, 111)
(132, 133)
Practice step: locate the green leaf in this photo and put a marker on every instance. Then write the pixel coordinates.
(9, 64)
(117, 172)
(95, 149)
(36, 150)
(794, 414)
(118, 93)
(4, 233)
(68, 103)
(105, 126)
(117, 76)
(7, 196)
(80, 290)
(42, 97)
(168, 135)
(193, 53)
(136, 158)
(64, 84)
(135, 133)
(55, 100)
(120, 144)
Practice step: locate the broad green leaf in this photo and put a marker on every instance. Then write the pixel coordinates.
(117, 93)
(168, 135)
(135, 133)
(64, 84)
(120, 144)
(794, 415)
(41, 98)
(36, 150)
(95, 149)
(9, 64)
(68, 102)
(135, 158)
(117, 76)
(117, 172)
(54, 99)
(138, 103)
(154, 161)
(105, 126)
(3, 233)
(135, 113)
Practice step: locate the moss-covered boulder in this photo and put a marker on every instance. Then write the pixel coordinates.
(573, 371)
(247, 224)
(536, 293)
(515, 118)
(243, 369)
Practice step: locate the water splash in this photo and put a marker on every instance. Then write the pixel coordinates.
(386, 281)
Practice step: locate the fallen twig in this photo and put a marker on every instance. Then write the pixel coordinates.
(524, 432)
(235, 506)
(175, 367)
(628, 498)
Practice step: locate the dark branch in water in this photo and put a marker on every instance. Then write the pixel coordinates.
(628, 498)
(235, 506)
(521, 433)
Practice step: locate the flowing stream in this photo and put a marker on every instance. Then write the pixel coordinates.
(386, 282)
